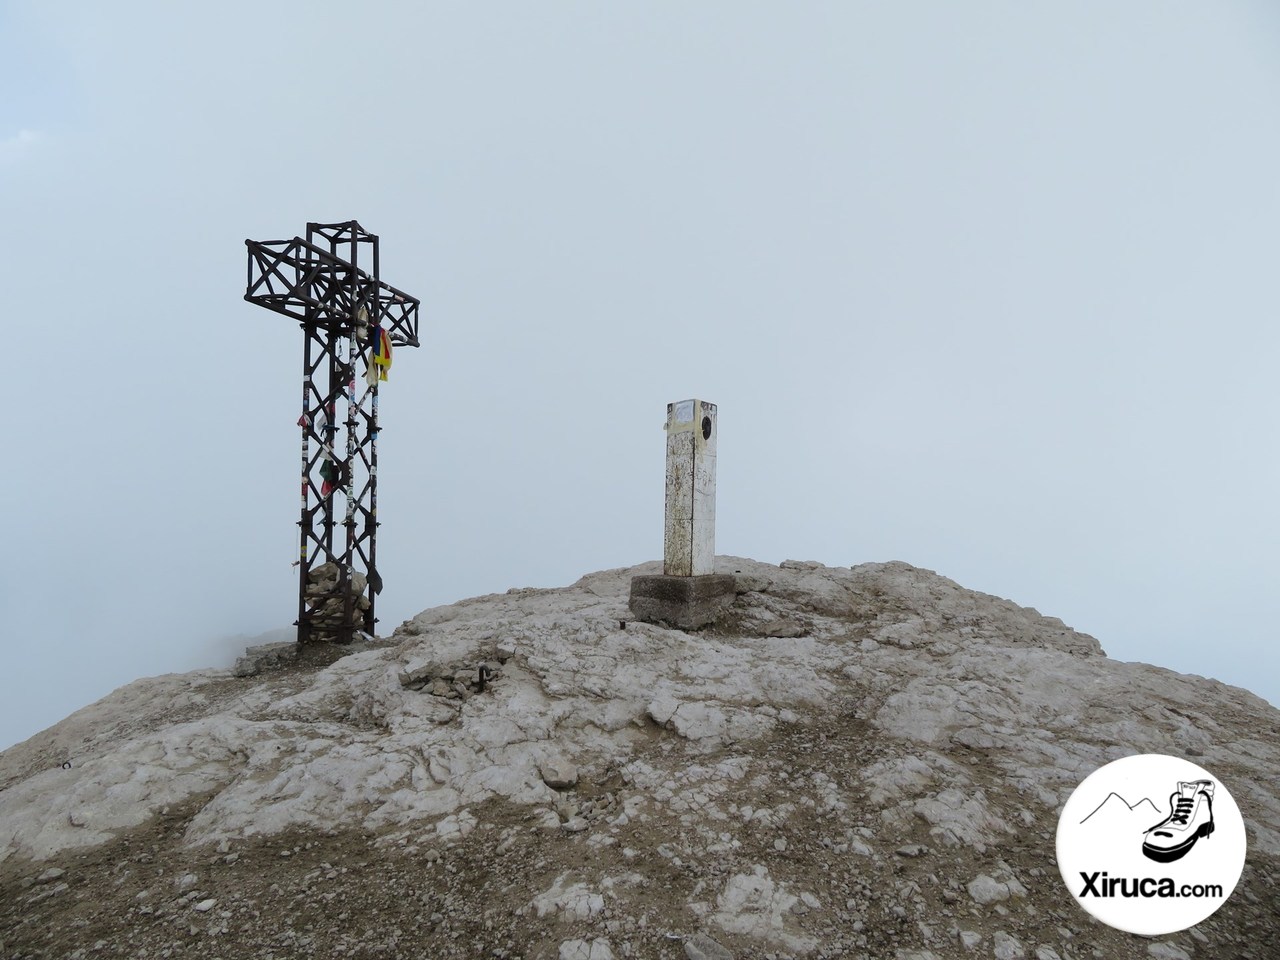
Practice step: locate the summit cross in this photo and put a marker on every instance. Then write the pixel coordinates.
(329, 282)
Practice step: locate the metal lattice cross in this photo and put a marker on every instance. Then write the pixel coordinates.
(329, 283)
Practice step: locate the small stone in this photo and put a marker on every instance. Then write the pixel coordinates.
(1007, 947)
(985, 889)
(1164, 950)
(423, 670)
(566, 809)
(575, 825)
(204, 906)
(53, 873)
(780, 845)
(441, 689)
(1047, 953)
(558, 773)
(702, 947)
(597, 949)
(969, 939)
(783, 629)
(545, 819)
(186, 882)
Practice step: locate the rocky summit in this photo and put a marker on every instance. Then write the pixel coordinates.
(861, 762)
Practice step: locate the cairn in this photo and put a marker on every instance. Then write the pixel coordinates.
(326, 604)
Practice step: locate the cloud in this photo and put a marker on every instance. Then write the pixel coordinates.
(17, 145)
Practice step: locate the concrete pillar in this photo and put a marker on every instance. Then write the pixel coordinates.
(689, 529)
(689, 594)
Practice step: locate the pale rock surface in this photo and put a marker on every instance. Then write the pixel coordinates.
(864, 762)
(985, 889)
(702, 947)
(752, 904)
(569, 901)
(558, 773)
(265, 656)
(597, 949)
(1006, 947)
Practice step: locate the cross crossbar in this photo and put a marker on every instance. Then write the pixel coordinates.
(313, 285)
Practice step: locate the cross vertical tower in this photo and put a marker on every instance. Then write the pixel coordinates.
(330, 284)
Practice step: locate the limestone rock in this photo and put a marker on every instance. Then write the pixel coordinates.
(702, 947)
(557, 772)
(882, 784)
(265, 656)
(568, 901)
(597, 949)
(985, 889)
(1007, 947)
(783, 629)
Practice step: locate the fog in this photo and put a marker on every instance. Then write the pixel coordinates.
(985, 287)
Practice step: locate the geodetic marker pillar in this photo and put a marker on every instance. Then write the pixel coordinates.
(689, 594)
(689, 526)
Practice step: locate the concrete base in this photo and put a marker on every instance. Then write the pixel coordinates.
(686, 603)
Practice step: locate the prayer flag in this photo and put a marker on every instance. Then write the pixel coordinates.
(382, 351)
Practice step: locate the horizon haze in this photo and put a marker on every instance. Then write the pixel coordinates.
(986, 288)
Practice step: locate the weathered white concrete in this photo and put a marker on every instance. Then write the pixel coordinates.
(689, 528)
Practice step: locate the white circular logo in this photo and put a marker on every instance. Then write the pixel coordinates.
(1151, 844)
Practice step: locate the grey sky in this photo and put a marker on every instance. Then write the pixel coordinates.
(986, 287)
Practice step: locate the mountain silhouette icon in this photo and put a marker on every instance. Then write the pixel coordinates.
(1116, 807)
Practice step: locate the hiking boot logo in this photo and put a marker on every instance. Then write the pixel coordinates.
(1126, 856)
(1190, 818)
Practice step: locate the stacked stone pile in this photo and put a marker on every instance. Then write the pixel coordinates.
(453, 679)
(327, 602)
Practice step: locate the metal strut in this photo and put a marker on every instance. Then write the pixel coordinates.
(330, 284)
